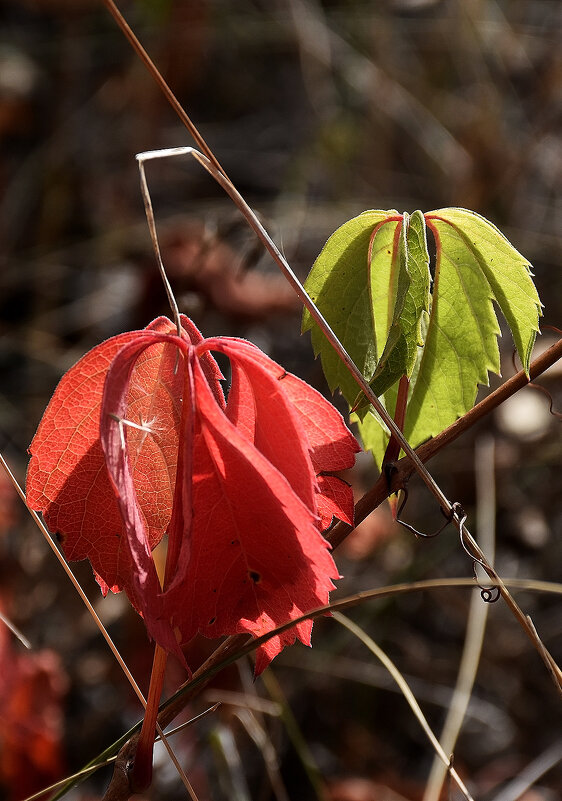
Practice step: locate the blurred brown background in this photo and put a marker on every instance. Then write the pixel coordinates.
(317, 111)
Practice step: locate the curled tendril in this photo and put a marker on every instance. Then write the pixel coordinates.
(539, 387)
(411, 528)
(545, 391)
(488, 594)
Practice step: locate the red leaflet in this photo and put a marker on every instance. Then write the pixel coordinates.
(137, 442)
(32, 690)
(67, 478)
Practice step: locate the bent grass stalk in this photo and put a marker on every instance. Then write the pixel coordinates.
(408, 695)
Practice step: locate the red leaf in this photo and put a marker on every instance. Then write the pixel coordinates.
(258, 558)
(67, 477)
(234, 486)
(32, 690)
(332, 446)
(335, 499)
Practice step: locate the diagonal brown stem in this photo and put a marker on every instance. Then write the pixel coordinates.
(163, 86)
(404, 468)
(209, 161)
(393, 448)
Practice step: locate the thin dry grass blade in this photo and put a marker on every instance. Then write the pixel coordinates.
(263, 743)
(15, 631)
(484, 458)
(408, 695)
(295, 735)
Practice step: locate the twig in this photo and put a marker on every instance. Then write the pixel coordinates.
(370, 501)
(211, 164)
(404, 469)
(163, 86)
(451, 510)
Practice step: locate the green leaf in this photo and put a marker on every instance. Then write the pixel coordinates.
(371, 282)
(339, 285)
(475, 265)
(372, 429)
(508, 273)
(410, 302)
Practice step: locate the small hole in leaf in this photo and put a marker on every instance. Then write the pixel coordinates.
(255, 576)
(60, 537)
(235, 542)
(211, 621)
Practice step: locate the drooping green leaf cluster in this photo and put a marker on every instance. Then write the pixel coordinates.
(372, 282)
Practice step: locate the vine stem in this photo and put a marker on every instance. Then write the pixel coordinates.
(450, 510)
(208, 160)
(237, 645)
(142, 770)
(403, 469)
(163, 86)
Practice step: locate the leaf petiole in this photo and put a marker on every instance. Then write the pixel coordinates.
(142, 771)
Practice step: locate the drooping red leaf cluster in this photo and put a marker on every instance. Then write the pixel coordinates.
(138, 441)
